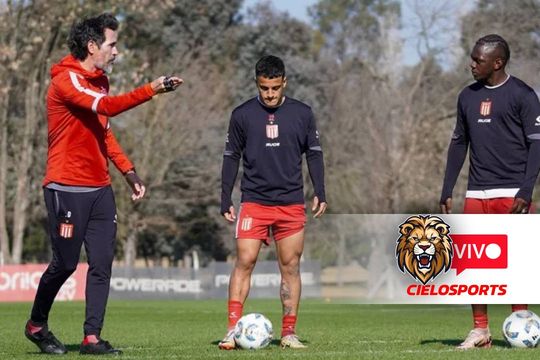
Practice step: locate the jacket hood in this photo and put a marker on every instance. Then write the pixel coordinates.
(69, 63)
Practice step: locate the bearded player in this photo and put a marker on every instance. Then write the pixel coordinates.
(498, 118)
(270, 133)
(77, 186)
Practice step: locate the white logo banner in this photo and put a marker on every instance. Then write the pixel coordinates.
(445, 259)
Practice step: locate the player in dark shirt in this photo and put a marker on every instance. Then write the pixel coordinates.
(498, 118)
(270, 133)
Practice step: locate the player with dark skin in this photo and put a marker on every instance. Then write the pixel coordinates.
(496, 121)
(488, 67)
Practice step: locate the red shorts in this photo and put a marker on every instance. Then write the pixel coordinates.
(255, 221)
(489, 206)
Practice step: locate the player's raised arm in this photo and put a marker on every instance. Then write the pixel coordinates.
(74, 89)
(79, 79)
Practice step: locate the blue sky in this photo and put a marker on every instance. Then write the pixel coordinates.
(445, 31)
(297, 8)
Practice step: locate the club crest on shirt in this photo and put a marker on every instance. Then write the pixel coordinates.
(272, 131)
(485, 108)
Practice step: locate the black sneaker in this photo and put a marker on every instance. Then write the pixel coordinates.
(45, 340)
(102, 347)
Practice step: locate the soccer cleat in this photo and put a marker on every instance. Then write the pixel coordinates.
(292, 341)
(45, 340)
(228, 342)
(102, 347)
(477, 338)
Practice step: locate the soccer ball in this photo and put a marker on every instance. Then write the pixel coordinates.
(253, 331)
(522, 329)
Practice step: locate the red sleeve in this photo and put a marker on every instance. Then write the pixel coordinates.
(74, 90)
(116, 154)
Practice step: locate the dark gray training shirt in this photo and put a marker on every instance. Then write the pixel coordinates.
(271, 142)
(501, 126)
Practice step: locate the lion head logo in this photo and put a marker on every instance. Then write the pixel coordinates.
(424, 248)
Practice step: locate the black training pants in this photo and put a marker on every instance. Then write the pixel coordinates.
(93, 216)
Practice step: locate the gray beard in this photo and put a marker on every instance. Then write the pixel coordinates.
(108, 68)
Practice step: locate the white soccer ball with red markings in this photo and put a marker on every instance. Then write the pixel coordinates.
(522, 329)
(253, 331)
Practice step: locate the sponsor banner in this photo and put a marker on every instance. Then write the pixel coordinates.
(266, 279)
(158, 283)
(20, 283)
(209, 282)
(467, 258)
(445, 259)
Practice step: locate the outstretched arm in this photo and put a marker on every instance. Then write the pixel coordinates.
(74, 89)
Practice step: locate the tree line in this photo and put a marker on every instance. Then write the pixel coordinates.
(384, 126)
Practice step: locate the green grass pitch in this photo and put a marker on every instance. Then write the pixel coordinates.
(192, 329)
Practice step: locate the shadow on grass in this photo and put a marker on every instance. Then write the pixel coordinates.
(275, 342)
(456, 342)
(73, 347)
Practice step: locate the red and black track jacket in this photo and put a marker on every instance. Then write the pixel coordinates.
(79, 135)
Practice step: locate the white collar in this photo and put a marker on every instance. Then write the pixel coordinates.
(501, 84)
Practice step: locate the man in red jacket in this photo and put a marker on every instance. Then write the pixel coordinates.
(77, 185)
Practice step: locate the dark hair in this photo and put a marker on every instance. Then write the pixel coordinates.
(270, 67)
(89, 29)
(496, 41)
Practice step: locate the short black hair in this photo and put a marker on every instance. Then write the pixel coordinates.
(89, 29)
(496, 41)
(270, 66)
